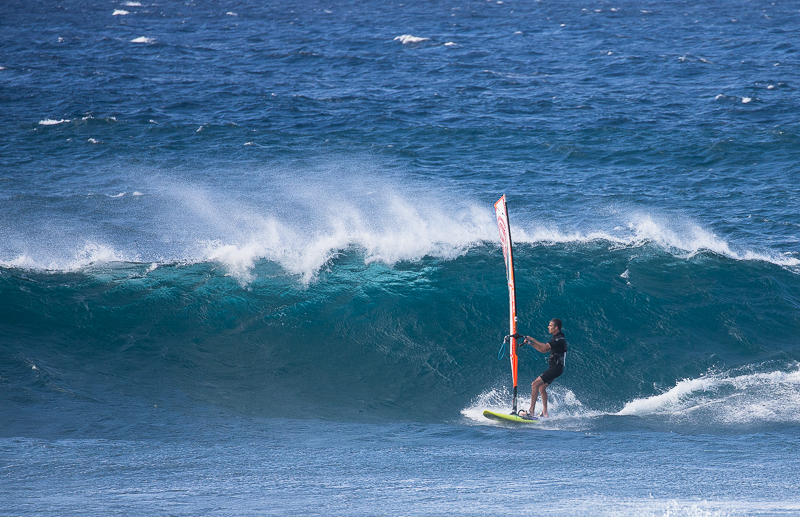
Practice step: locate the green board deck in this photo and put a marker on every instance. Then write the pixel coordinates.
(508, 418)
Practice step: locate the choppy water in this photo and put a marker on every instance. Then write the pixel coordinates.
(249, 263)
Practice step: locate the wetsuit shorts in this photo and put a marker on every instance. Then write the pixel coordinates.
(551, 373)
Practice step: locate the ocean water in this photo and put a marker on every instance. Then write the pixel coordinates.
(249, 263)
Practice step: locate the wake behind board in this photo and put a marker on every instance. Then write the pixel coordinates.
(508, 418)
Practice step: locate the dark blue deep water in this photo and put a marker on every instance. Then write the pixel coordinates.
(249, 263)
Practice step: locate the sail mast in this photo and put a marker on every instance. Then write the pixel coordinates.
(501, 211)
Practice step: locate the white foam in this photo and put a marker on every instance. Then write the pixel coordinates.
(120, 12)
(50, 122)
(143, 39)
(405, 39)
(23, 261)
(669, 401)
(728, 398)
(562, 405)
(691, 238)
(396, 230)
(132, 4)
(93, 253)
(674, 234)
(723, 399)
(493, 400)
(88, 254)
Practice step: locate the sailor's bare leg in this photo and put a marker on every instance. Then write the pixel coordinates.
(535, 390)
(543, 393)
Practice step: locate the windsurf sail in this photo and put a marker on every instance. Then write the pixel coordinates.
(501, 211)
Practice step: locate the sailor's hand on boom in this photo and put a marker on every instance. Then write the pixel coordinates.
(538, 345)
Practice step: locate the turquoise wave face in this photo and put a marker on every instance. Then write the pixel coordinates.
(650, 333)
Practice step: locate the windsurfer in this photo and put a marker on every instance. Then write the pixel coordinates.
(558, 351)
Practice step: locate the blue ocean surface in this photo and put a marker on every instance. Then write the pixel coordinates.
(249, 262)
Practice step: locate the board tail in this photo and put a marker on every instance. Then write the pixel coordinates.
(501, 211)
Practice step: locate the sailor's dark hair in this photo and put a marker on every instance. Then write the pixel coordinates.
(557, 322)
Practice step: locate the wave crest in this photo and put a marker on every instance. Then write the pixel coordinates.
(320, 216)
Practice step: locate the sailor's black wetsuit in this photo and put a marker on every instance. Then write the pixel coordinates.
(558, 352)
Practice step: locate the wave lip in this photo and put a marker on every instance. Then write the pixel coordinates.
(385, 220)
(403, 232)
(692, 238)
(90, 253)
(682, 238)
